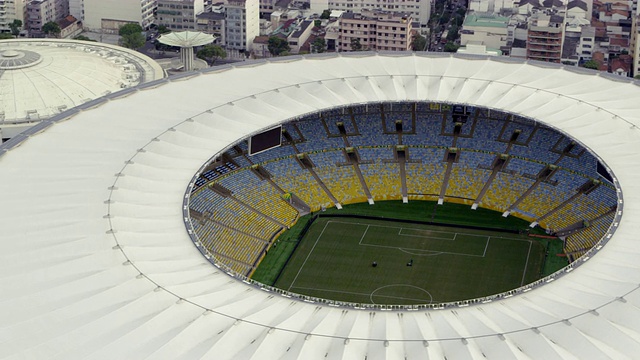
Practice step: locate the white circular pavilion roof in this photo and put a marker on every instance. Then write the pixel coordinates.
(96, 262)
(44, 77)
(186, 38)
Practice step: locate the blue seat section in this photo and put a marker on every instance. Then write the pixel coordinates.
(568, 181)
(524, 125)
(428, 130)
(484, 137)
(471, 159)
(274, 153)
(371, 133)
(375, 154)
(316, 137)
(333, 120)
(465, 129)
(426, 155)
(327, 158)
(292, 131)
(242, 161)
(292, 178)
(583, 163)
(259, 194)
(522, 167)
(219, 171)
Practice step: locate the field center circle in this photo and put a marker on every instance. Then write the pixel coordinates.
(373, 293)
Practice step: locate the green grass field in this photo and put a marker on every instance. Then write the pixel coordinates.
(334, 258)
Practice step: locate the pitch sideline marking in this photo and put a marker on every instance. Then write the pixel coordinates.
(412, 286)
(308, 255)
(526, 264)
(363, 294)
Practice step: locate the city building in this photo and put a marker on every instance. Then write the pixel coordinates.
(213, 23)
(69, 27)
(109, 16)
(242, 24)
(299, 36)
(40, 12)
(544, 37)
(11, 10)
(420, 10)
(377, 30)
(179, 15)
(484, 28)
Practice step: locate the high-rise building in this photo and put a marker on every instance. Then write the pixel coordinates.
(40, 12)
(11, 10)
(544, 38)
(242, 24)
(179, 14)
(380, 30)
(111, 15)
(419, 9)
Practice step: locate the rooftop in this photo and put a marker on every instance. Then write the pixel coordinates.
(481, 19)
(40, 78)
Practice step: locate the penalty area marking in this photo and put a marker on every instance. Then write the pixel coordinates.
(400, 285)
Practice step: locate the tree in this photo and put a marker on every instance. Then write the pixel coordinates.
(419, 43)
(163, 30)
(278, 46)
(319, 45)
(450, 47)
(51, 28)
(355, 44)
(129, 29)
(133, 41)
(325, 14)
(5, 36)
(211, 53)
(83, 38)
(15, 27)
(591, 64)
(452, 35)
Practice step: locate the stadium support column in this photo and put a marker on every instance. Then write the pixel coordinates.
(543, 175)
(306, 163)
(451, 156)
(354, 160)
(496, 166)
(401, 155)
(186, 54)
(586, 188)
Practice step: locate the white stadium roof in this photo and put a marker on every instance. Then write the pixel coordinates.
(96, 262)
(43, 77)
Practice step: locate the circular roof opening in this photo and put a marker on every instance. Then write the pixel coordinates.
(403, 203)
(9, 53)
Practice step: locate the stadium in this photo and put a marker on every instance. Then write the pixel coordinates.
(102, 235)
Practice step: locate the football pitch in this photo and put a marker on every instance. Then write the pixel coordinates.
(415, 263)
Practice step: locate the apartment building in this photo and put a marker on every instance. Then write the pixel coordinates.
(420, 10)
(9, 11)
(109, 16)
(40, 12)
(544, 38)
(375, 30)
(242, 24)
(179, 15)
